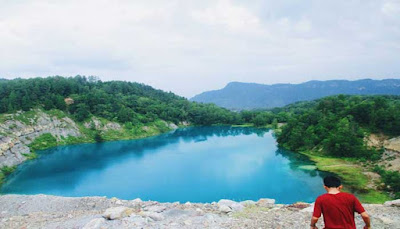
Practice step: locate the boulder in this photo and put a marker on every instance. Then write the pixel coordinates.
(155, 208)
(264, 202)
(94, 223)
(235, 206)
(299, 205)
(117, 212)
(395, 203)
(309, 209)
(224, 209)
(153, 215)
(188, 204)
(248, 203)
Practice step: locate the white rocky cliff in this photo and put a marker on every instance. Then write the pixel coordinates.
(15, 135)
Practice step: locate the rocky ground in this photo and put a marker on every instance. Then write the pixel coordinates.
(41, 211)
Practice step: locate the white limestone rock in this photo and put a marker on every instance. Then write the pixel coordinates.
(394, 203)
(117, 212)
(224, 209)
(95, 223)
(155, 208)
(264, 202)
(234, 206)
(153, 215)
(247, 203)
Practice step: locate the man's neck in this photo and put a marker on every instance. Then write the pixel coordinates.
(333, 191)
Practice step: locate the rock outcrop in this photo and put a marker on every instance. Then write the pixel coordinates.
(42, 211)
(98, 125)
(391, 155)
(15, 135)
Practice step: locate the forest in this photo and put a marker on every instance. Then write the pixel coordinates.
(336, 126)
(125, 102)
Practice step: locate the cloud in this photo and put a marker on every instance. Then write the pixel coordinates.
(392, 8)
(225, 13)
(191, 46)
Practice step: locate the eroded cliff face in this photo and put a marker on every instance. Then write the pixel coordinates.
(16, 135)
(391, 155)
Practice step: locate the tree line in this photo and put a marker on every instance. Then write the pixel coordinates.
(337, 125)
(124, 102)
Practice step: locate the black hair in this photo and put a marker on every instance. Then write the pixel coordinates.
(332, 182)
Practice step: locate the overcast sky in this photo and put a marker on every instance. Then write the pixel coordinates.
(188, 47)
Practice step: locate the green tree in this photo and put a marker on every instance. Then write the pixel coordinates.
(81, 112)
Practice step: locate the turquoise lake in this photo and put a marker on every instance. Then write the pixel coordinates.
(196, 164)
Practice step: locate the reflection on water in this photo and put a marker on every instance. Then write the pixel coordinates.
(197, 164)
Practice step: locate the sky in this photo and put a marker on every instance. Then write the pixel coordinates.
(189, 47)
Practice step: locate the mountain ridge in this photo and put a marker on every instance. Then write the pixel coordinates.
(241, 96)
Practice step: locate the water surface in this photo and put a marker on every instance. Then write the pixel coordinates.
(197, 164)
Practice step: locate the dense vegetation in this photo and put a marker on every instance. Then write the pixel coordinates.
(391, 180)
(337, 126)
(125, 102)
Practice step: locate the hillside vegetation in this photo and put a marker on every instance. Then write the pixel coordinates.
(125, 102)
(337, 127)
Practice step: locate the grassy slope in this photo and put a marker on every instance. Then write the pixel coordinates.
(351, 172)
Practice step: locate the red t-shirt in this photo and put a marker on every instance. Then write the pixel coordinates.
(338, 210)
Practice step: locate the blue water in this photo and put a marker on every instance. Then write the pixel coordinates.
(197, 164)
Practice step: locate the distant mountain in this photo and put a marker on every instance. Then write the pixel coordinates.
(239, 96)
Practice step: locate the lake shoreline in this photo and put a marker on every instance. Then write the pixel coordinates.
(220, 149)
(6, 171)
(361, 185)
(352, 183)
(45, 211)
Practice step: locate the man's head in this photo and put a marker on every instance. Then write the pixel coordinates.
(332, 182)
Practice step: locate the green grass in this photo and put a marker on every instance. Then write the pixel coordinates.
(5, 171)
(4, 117)
(30, 156)
(244, 125)
(135, 132)
(351, 174)
(56, 113)
(44, 141)
(27, 117)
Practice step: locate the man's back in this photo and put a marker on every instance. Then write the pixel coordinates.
(337, 209)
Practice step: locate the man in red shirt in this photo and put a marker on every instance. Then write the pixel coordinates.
(338, 207)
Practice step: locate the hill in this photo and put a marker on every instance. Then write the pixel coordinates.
(40, 113)
(339, 128)
(119, 101)
(239, 96)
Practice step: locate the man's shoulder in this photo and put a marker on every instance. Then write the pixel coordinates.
(348, 195)
(341, 194)
(321, 197)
